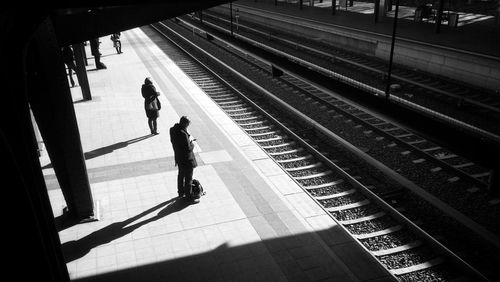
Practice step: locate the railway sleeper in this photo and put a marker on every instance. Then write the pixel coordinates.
(226, 107)
(220, 99)
(336, 182)
(264, 133)
(246, 118)
(336, 195)
(295, 159)
(237, 110)
(231, 103)
(305, 167)
(266, 127)
(378, 233)
(283, 145)
(417, 267)
(253, 123)
(361, 219)
(349, 206)
(314, 175)
(234, 116)
(272, 139)
(221, 95)
(405, 247)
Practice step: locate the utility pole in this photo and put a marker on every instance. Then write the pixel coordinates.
(231, 16)
(439, 16)
(388, 86)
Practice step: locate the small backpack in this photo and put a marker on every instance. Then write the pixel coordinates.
(197, 189)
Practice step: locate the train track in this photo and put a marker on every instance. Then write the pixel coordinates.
(411, 150)
(405, 251)
(430, 94)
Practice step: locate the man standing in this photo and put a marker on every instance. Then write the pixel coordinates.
(182, 143)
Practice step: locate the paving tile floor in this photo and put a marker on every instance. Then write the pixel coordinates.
(254, 223)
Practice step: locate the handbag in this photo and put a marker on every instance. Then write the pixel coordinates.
(153, 105)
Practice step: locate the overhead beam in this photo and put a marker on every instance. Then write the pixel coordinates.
(78, 25)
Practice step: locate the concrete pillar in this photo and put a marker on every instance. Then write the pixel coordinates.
(30, 228)
(50, 99)
(439, 16)
(81, 71)
(36, 134)
(380, 10)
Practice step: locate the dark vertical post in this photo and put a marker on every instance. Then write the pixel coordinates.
(376, 10)
(439, 16)
(334, 6)
(301, 2)
(494, 181)
(201, 16)
(231, 16)
(387, 88)
(37, 137)
(84, 54)
(81, 71)
(25, 190)
(52, 105)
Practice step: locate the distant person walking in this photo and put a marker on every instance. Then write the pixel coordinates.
(69, 61)
(152, 104)
(115, 37)
(237, 18)
(183, 145)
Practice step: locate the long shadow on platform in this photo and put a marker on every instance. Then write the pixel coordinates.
(287, 258)
(76, 249)
(108, 149)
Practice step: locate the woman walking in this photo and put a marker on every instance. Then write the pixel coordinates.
(151, 104)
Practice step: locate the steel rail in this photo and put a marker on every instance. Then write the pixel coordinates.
(377, 92)
(472, 225)
(372, 69)
(315, 24)
(369, 194)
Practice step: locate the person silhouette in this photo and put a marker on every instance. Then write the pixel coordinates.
(183, 145)
(69, 61)
(115, 37)
(152, 105)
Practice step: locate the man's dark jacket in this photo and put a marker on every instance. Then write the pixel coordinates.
(183, 148)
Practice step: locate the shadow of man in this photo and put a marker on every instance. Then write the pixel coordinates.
(76, 249)
(108, 149)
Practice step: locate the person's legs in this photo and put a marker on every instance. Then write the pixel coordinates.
(188, 180)
(70, 73)
(72, 68)
(150, 124)
(98, 64)
(155, 129)
(180, 182)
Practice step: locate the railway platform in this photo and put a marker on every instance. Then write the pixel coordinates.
(475, 33)
(253, 224)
